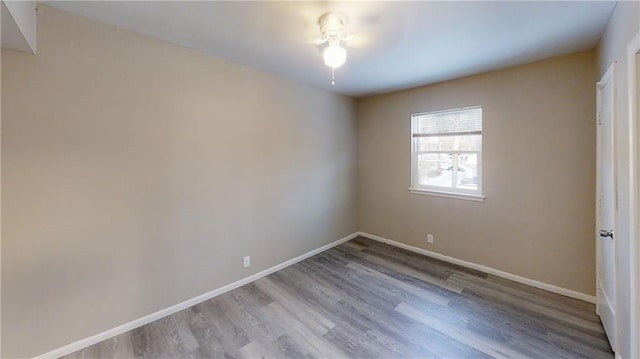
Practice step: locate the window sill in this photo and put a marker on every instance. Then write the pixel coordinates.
(463, 196)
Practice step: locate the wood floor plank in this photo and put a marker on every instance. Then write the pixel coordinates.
(363, 315)
(308, 283)
(303, 335)
(288, 348)
(531, 328)
(403, 268)
(427, 281)
(541, 293)
(185, 334)
(210, 342)
(258, 350)
(303, 312)
(355, 245)
(490, 347)
(540, 309)
(365, 299)
(344, 281)
(220, 330)
(427, 267)
(364, 345)
(160, 340)
(437, 264)
(250, 320)
(428, 296)
(555, 303)
(384, 281)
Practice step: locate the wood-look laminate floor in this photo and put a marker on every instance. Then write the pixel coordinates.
(364, 299)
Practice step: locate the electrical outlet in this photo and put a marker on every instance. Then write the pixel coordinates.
(246, 261)
(430, 238)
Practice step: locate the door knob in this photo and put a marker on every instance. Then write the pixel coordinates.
(604, 233)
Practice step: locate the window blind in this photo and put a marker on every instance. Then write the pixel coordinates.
(465, 121)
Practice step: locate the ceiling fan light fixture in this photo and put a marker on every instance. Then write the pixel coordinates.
(334, 55)
(333, 28)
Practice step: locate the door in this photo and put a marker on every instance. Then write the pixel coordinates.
(606, 206)
(636, 179)
(634, 46)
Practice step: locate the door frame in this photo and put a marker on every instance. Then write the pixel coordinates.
(609, 76)
(633, 49)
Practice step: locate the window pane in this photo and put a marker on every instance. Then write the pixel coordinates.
(435, 170)
(467, 175)
(469, 143)
(436, 143)
(450, 143)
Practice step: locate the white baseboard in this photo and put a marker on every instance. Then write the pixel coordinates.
(83, 343)
(482, 268)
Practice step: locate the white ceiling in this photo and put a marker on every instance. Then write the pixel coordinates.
(398, 44)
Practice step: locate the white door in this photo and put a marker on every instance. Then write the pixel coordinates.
(636, 174)
(606, 207)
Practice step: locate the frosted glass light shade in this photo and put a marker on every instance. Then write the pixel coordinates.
(334, 56)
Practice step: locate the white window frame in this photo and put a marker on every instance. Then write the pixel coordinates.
(449, 192)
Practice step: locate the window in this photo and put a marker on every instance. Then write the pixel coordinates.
(446, 153)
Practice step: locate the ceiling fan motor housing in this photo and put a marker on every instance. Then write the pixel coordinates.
(333, 27)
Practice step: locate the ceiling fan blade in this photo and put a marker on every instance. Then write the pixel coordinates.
(316, 41)
(358, 40)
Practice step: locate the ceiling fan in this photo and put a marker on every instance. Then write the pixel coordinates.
(339, 33)
(333, 26)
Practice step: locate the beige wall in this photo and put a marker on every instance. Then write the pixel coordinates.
(136, 174)
(623, 25)
(538, 172)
